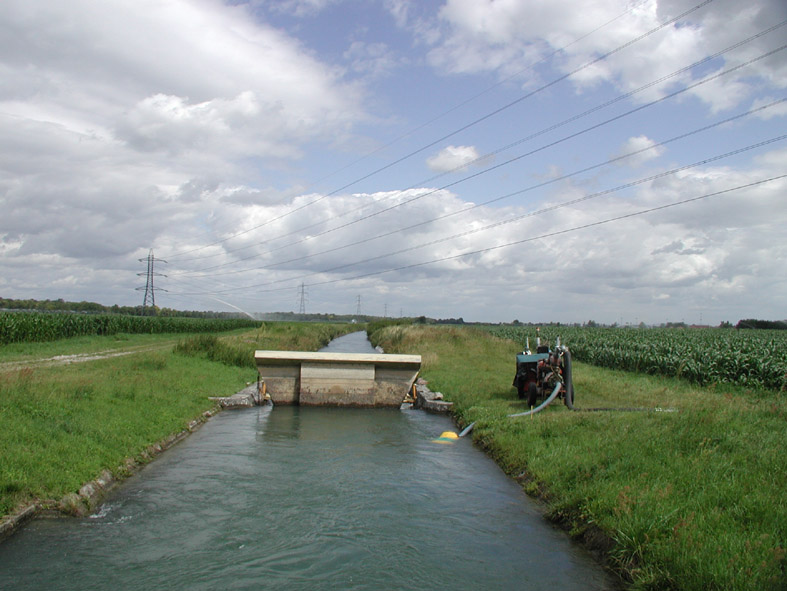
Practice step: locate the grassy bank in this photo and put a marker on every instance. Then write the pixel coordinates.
(61, 425)
(692, 499)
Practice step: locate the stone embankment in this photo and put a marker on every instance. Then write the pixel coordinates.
(249, 396)
(425, 399)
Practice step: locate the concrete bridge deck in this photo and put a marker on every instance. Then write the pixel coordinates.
(337, 379)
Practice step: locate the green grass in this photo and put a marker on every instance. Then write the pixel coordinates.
(60, 426)
(238, 349)
(692, 499)
(14, 352)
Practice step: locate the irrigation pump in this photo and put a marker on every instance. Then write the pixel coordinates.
(544, 374)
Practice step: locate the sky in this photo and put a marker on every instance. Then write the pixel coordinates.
(495, 161)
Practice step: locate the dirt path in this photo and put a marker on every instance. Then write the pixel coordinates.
(80, 357)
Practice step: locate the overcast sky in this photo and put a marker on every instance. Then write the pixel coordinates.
(540, 160)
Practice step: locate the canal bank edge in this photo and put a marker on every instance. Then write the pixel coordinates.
(570, 520)
(425, 399)
(92, 493)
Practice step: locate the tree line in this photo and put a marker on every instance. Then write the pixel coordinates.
(60, 305)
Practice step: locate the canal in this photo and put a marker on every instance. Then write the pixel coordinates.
(307, 498)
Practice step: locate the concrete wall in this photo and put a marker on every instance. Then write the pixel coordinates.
(337, 379)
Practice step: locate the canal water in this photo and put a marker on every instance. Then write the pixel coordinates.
(307, 498)
(355, 342)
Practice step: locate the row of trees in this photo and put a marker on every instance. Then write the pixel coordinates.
(764, 324)
(61, 305)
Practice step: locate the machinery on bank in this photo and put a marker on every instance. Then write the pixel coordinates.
(545, 374)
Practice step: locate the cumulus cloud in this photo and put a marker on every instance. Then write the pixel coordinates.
(692, 252)
(638, 150)
(399, 9)
(452, 157)
(115, 111)
(197, 129)
(510, 38)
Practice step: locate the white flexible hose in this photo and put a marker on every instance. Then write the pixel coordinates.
(543, 405)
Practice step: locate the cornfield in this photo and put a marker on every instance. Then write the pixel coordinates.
(18, 327)
(704, 356)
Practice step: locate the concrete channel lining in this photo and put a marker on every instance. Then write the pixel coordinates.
(337, 379)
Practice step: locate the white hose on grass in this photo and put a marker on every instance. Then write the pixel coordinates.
(543, 405)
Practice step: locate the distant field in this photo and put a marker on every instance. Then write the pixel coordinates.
(703, 356)
(21, 327)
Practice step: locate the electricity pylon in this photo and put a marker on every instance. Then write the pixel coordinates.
(302, 307)
(150, 290)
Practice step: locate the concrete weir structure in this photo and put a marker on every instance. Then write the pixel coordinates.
(337, 379)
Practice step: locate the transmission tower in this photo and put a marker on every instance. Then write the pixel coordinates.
(150, 290)
(358, 306)
(302, 306)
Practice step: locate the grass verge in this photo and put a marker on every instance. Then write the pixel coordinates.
(61, 426)
(692, 499)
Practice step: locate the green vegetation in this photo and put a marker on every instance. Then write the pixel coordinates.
(22, 327)
(37, 352)
(704, 356)
(692, 499)
(83, 307)
(61, 425)
(239, 350)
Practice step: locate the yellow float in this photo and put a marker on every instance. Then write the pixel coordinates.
(446, 437)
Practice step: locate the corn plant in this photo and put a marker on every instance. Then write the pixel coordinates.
(704, 356)
(19, 327)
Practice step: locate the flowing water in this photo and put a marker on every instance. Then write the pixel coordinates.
(307, 498)
(355, 342)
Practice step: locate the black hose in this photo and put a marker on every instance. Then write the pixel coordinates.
(569, 380)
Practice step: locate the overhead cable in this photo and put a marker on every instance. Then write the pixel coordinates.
(522, 156)
(464, 127)
(627, 185)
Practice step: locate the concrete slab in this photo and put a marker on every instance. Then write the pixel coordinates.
(337, 379)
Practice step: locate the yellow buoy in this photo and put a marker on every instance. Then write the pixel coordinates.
(446, 437)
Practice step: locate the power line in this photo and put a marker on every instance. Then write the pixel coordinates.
(546, 235)
(467, 126)
(517, 218)
(556, 180)
(464, 210)
(557, 232)
(563, 139)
